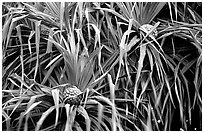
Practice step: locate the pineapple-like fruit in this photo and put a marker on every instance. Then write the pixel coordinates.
(147, 28)
(70, 94)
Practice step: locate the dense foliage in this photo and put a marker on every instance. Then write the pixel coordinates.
(138, 65)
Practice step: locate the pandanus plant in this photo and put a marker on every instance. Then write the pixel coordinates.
(53, 70)
(101, 66)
